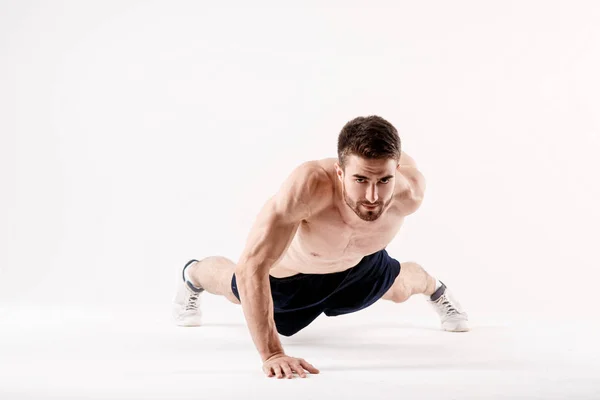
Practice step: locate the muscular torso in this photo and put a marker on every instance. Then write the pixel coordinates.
(332, 240)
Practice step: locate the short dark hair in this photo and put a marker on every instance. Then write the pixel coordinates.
(369, 137)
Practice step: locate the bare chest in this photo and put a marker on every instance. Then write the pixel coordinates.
(327, 244)
(330, 240)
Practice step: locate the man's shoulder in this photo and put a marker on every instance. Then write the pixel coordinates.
(312, 183)
(315, 174)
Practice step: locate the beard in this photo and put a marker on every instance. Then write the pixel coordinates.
(366, 214)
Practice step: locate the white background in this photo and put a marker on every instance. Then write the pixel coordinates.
(136, 135)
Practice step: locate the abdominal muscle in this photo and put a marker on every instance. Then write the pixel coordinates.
(296, 261)
(319, 250)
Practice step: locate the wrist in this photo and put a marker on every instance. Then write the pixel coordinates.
(271, 355)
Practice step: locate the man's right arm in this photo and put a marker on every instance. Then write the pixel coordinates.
(306, 190)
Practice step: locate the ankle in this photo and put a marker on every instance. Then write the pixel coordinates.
(439, 291)
(190, 274)
(432, 285)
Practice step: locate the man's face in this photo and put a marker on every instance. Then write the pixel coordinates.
(368, 185)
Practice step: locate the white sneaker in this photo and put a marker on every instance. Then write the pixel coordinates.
(186, 305)
(452, 315)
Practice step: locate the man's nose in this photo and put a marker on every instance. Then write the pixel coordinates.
(372, 194)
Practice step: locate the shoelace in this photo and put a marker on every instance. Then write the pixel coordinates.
(447, 306)
(192, 304)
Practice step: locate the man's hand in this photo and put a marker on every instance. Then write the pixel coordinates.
(282, 365)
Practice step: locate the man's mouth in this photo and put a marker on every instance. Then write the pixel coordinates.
(370, 205)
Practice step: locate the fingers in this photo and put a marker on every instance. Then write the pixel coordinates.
(268, 371)
(287, 370)
(308, 366)
(286, 367)
(297, 368)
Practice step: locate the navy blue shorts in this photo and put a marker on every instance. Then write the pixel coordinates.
(301, 298)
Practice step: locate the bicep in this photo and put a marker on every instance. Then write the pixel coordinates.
(280, 218)
(269, 238)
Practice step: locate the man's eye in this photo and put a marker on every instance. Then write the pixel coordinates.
(359, 180)
(385, 180)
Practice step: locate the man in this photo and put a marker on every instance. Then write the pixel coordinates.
(318, 246)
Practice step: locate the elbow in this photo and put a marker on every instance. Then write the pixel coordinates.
(252, 280)
(248, 269)
(243, 272)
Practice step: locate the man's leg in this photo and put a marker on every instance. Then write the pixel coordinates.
(214, 274)
(413, 279)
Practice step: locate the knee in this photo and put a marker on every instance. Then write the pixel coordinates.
(218, 261)
(398, 294)
(411, 268)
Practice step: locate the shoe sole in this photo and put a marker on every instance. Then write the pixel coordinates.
(187, 324)
(459, 327)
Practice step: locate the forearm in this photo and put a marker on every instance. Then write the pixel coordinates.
(257, 304)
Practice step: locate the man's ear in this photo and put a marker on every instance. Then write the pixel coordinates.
(339, 171)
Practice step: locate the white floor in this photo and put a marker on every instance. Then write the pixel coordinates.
(379, 353)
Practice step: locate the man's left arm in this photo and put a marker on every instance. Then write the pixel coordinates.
(413, 178)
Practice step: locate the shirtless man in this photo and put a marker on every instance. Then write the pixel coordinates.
(318, 246)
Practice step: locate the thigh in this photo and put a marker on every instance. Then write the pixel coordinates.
(300, 291)
(299, 299)
(367, 283)
(290, 322)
